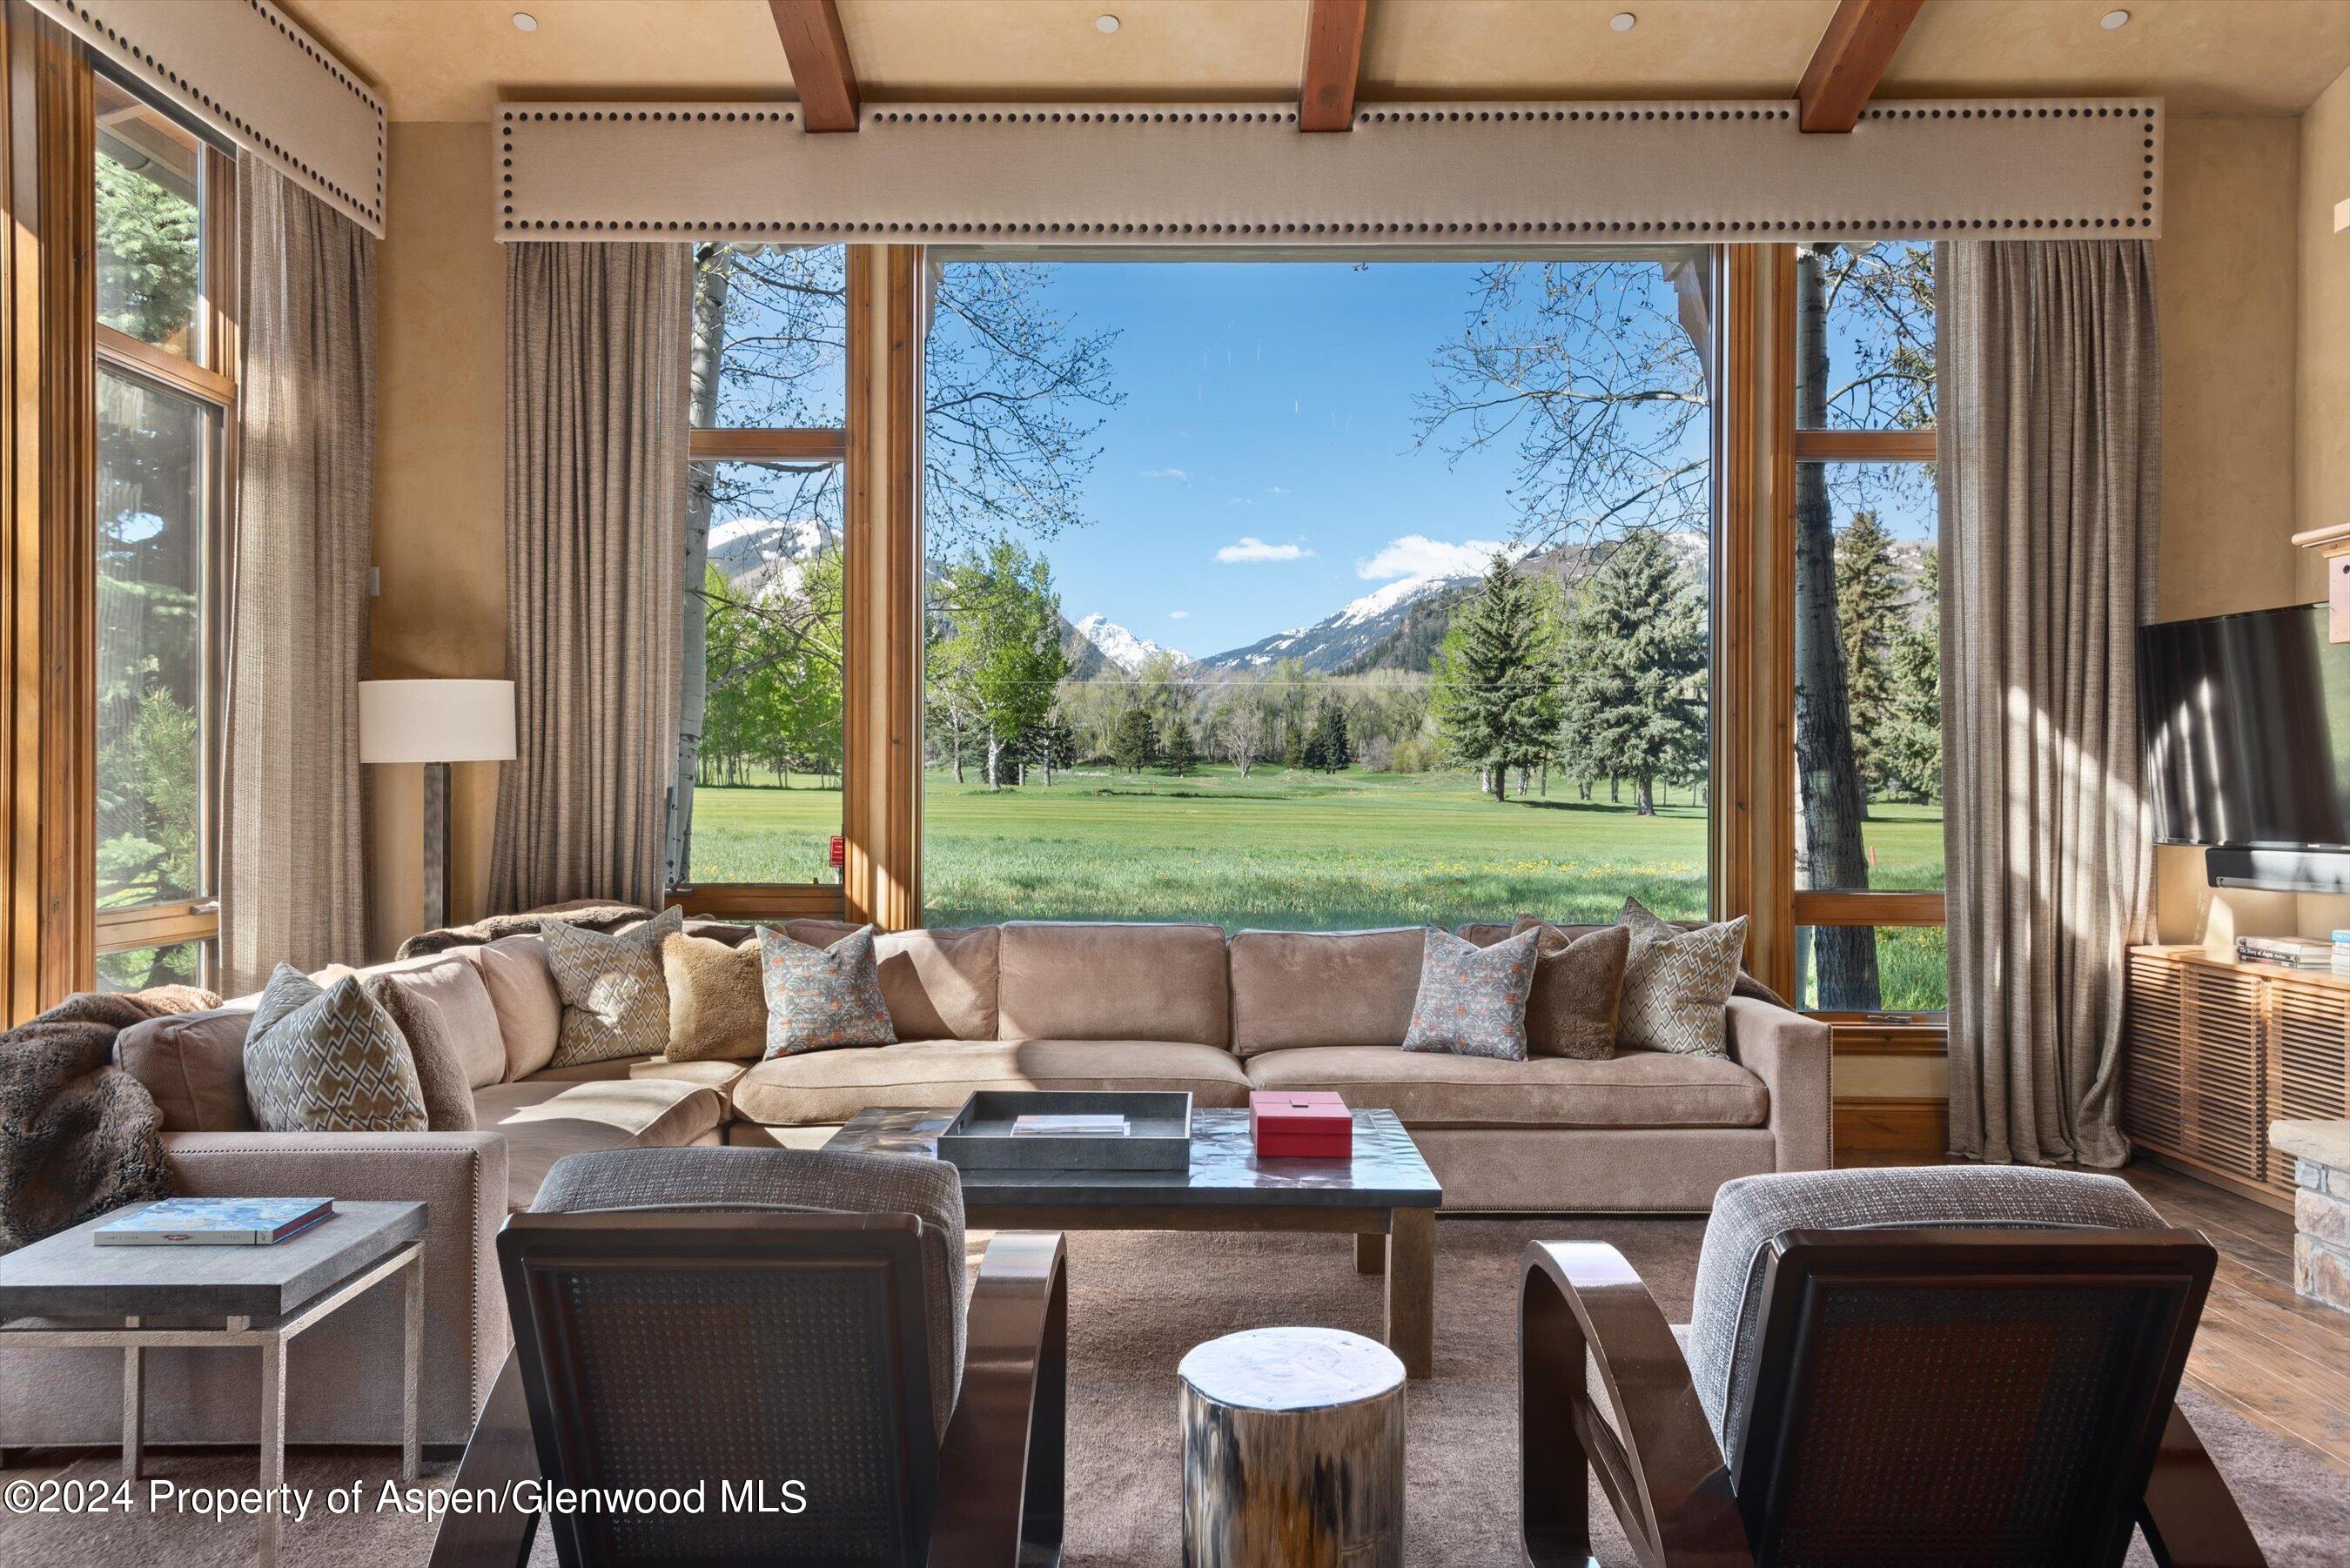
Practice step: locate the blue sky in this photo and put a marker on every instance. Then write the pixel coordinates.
(1269, 402)
(1264, 469)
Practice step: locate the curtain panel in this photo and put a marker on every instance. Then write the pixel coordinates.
(2050, 458)
(596, 488)
(292, 858)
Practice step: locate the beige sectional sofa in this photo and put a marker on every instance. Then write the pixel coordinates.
(1023, 1004)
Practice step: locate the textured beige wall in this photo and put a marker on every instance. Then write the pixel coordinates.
(439, 540)
(2324, 365)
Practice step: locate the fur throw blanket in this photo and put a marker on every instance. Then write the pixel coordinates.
(593, 914)
(78, 1136)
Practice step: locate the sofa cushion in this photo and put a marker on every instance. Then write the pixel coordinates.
(615, 998)
(823, 997)
(1472, 1000)
(1323, 988)
(454, 986)
(1099, 981)
(829, 1086)
(1638, 1089)
(940, 984)
(520, 979)
(1677, 985)
(545, 1120)
(710, 1075)
(194, 1066)
(439, 1070)
(1578, 989)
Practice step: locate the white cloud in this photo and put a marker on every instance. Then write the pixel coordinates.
(1417, 556)
(1178, 615)
(1276, 490)
(1177, 474)
(1249, 547)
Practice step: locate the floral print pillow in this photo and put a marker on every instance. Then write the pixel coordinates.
(1472, 1000)
(822, 999)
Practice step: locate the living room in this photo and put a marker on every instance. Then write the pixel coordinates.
(1215, 781)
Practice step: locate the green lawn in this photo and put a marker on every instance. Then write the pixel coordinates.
(1286, 849)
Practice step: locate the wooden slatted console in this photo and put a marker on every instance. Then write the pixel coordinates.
(2215, 1050)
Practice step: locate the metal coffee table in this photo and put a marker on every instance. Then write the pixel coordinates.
(1386, 1197)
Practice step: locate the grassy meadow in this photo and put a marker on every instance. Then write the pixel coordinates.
(1308, 850)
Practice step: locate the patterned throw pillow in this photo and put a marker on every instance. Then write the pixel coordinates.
(822, 999)
(327, 1061)
(615, 1000)
(440, 1072)
(1472, 1000)
(1677, 984)
(1578, 989)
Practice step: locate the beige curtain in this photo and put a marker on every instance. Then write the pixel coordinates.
(292, 866)
(595, 482)
(2049, 501)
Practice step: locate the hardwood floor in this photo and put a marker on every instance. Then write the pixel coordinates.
(2276, 1359)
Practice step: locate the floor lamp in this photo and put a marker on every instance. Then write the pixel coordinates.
(436, 722)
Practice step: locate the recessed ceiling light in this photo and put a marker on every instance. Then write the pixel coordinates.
(524, 22)
(1622, 21)
(2113, 19)
(1104, 23)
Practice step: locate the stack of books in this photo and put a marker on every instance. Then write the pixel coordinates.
(2292, 952)
(1102, 1124)
(213, 1222)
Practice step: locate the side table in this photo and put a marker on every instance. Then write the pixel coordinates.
(1292, 1451)
(261, 1297)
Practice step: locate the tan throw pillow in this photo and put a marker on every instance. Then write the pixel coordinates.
(1677, 983)
(615, 1000)
(440, 1072)
(717, 1011)
(1472, 1000)
(822, 999)
(328, 1061)
(1578, 989)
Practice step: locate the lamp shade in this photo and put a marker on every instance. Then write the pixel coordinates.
(436, 721)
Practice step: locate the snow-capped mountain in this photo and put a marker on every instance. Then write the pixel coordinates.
(756, 553)
(1341, 637)
(1121, 647)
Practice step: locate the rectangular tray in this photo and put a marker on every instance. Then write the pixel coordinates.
(980, 1137)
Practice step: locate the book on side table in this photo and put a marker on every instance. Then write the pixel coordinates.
(213, 1222)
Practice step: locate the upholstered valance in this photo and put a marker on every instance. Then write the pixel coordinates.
(1242, 174)
(246, 70)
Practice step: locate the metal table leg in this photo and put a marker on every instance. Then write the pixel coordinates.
(411, 1364)
(273, 1449)
(134, 1405)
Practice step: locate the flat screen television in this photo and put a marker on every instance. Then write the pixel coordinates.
(2247, 733)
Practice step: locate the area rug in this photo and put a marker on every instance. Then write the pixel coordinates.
(1136, 1303)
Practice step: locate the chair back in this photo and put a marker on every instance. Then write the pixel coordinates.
(1965, 1395)
(727, 1387)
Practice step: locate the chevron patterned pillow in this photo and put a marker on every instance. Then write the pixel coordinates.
(615, 996)
(328, 1060)
(1677, 983)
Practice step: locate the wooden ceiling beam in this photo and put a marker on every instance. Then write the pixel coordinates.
(818, 53)
(1851, 60)
(1334, 58)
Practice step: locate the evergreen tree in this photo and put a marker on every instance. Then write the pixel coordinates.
(1293, 748)
(1870, 622)
(1911, 740)
(1179, 752)
(1056, 747)
(1133, 740)
(1327, 749)
(1636, 685)
(1495, 691)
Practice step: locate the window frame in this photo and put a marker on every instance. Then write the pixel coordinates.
(1796, 445)
(210, 378)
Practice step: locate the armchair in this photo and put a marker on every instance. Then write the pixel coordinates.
(741, 1317)
(1945, 1364)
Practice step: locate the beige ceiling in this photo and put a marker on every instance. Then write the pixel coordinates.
(451, 59)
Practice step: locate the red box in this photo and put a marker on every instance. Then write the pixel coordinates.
(1302, 1125)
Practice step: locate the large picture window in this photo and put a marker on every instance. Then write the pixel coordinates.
(1317, 594)
(166, 405)
(1868, 905)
